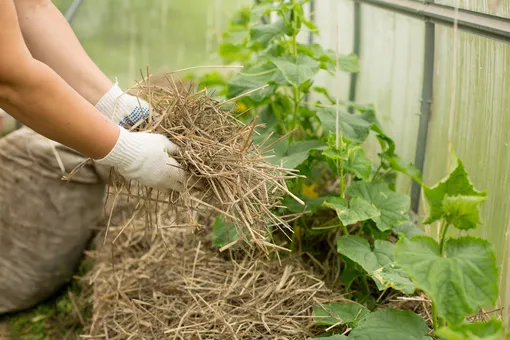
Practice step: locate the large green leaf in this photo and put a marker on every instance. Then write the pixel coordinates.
(409, 169)
(295, 69)
(312, 204)
(236, 38)
(388, 149)
(223, 233)
(213, 79)
(310, 24)
(355, 210)
(349, 63)
(296, 154)
(267, 117)
(463, 211)
(391, 324)
(324, 91)
(241, 18)
(253, 78)
(259, 10)
(353, 126)
(358, 249)
(346, 63)
(490, 330)
(456, 184)
(351, 272)
(231, 53)
(409, 229)
(392, 276)
(262, 34)
(460, 283)
(334, 153)
(358, 163)
(378, 263)
(393, 206)
(339, 313)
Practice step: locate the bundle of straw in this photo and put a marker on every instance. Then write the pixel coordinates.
(228, 173)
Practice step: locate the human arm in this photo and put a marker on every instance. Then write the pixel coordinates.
(51, 40)
(35, 95)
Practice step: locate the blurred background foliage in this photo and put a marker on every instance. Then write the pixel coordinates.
(124, 36)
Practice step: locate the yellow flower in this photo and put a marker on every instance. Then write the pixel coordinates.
(241, 107)
(309, 190)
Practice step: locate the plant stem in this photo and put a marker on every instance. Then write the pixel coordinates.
(334, 226)
(377, 172)
(339, 143)
(294, 114)
(444, 230)
(296, 107)
(339, 163)
(441, 322)
(346, 231)
(297, 97)
(327, 223)
(294, 45)
(384, 174)
(342, 179)
(434, 317)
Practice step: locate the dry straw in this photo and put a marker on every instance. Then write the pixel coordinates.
(227, 173)
(177, 287)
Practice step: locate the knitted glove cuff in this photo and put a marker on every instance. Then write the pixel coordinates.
(124, 154)
(124, 109)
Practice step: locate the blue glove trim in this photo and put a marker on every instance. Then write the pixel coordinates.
(134, 117)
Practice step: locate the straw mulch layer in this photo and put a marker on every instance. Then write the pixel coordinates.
(227, 172)
(173, 285)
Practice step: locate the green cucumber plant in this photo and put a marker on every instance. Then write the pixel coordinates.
(344, 190)
(353, 213)
(458, 274)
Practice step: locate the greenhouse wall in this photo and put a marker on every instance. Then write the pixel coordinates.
(477, 80)
(481, 128)
(494, 7)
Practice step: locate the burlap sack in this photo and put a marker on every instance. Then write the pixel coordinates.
(45, 223)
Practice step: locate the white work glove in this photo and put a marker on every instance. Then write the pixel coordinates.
(144, 157)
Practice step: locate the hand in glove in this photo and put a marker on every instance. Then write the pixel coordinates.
(144, 157)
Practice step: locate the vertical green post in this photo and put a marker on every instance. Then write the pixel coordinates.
(426, 108)
(355, 50)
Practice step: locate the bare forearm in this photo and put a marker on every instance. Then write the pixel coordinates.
(36, 95)
(51, 40)
(40, 99)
